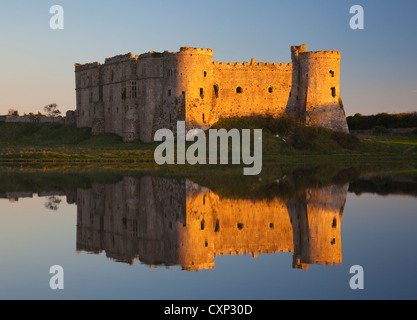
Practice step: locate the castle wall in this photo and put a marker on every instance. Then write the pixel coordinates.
(151, 93)
(246, 89)
(87, 78)
(118, 104)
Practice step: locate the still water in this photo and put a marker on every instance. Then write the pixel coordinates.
(161, 238)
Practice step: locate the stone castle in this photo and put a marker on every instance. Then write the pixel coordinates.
(134, 96)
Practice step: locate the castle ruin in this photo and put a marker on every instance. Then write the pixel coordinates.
(134, 96)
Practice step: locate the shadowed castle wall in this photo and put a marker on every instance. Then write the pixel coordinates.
(87, 83)
(118, 104)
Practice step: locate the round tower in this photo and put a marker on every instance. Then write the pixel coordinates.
(194, 79)
(319, 90)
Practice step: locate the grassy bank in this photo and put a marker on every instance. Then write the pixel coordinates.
(56, 142)
(285, 140)
(284, 181)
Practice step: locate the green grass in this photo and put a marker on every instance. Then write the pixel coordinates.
(286, 137)
(285, 140)
(30, 141)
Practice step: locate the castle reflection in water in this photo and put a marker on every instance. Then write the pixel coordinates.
(161, 221)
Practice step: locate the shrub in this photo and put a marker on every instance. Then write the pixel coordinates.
(346, 141)
(304, 138)
(282, 125)
(379, 130)
(400, 120)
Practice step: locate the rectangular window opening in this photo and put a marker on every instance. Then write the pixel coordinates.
(133, 89)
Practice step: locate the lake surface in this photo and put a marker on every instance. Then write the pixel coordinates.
(161, 238)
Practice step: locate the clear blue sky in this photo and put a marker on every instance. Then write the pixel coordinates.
(378, 71)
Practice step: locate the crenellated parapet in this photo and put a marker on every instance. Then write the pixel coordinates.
(121, 58)
(195, 51)
(330, 54)
(254, 66)
(86, 66)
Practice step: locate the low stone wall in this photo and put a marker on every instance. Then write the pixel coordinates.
(26, 119)
(68, 119)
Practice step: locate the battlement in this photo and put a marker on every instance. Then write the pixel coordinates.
(254, 65)
(86, 66)
(322, 54)
(121, 58)
(296, 50)
(200, 51)
(116, 59)
(154, 54)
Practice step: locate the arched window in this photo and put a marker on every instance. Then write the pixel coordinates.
(217, 227)
(239, 90)
(216, 90)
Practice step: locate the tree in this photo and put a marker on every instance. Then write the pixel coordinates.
(13, 112)
(51, 110)
(52, 203)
